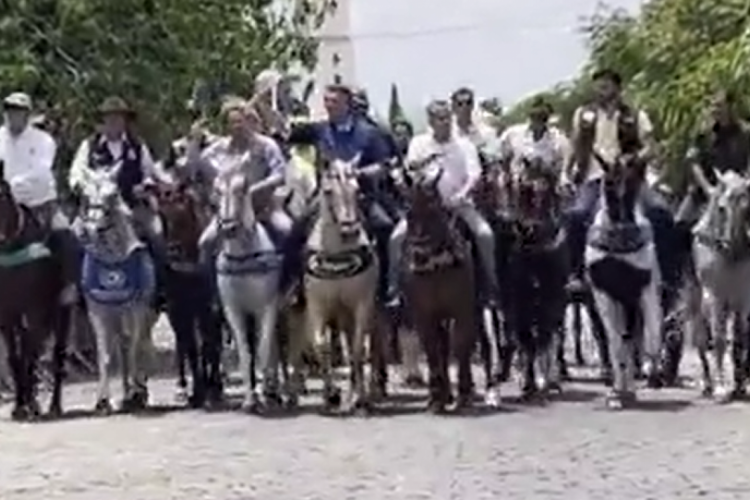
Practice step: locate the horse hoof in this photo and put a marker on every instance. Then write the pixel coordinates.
(415, 381)
(103, 407)
(707, 391)
(654, 381)
(436, 407)
(492, 398)
(55, 411)
(554, 388)
(739, 392)
(463, 402)
(292, 402)
(19, 414)
(614, 402)
(181, 396)
(722, 395)
(607, 377)
(251, 405)
(332, 398)
(272, 400)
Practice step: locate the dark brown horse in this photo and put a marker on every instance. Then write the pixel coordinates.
(537, 274)
(189, 293)
(30, 311)
(439, 285)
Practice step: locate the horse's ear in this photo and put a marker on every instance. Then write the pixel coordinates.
(436, 181)
(2, 170)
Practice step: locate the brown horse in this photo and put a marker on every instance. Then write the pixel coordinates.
(439, 285)
(29, 304)
(537, 274)
(189, 293)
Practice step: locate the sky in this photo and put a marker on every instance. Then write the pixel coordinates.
(502, 48)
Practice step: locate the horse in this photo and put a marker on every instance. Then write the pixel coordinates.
(721, 256)
(118, 281)
(189, 293)
(340, 282)
(439, 284)
(623, 270)
(30, 312)
(536, 274)
(248, 267)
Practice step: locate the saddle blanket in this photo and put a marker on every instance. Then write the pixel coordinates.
(119, 283)
(259, 263)
(339, 266)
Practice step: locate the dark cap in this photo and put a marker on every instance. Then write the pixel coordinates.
(115, 106)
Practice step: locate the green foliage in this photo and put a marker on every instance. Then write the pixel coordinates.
(673, 55)
(73, 53)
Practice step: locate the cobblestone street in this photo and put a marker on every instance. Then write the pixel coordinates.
(678, 446)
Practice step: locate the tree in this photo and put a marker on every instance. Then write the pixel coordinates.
(672, 55)
(73, 53)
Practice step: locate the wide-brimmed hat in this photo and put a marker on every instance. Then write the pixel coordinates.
(19, 100)
(115, 106)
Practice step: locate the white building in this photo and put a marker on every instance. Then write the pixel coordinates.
(336, 62)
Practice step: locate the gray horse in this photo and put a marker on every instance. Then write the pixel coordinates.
(118, 282)
(721, 253)
(248, 270)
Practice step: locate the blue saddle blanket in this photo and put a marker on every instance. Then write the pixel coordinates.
(118, 283)
(251, 263)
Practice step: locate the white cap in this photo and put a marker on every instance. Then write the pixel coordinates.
(18, 100)
(267, 79)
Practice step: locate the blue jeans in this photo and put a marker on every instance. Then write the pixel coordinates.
(578, 219)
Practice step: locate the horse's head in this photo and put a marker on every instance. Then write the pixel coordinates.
(621, 186)
(236, 211)
(536, 189)
(178, 208)
(339, 189)
(102, 204)
(427, 213)
(732, 206)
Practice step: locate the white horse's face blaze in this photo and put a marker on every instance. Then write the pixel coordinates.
(101, 204)
(235, 205)
(340, 188)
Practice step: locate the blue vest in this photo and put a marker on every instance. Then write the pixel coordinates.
(131, 173)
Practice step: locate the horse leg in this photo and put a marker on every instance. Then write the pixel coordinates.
(181, 315)
(138, 323)
(238, 326)
(363, 328)
(613, 319)
(489, 343)
(601, 337)
(410, 352)
(380, 334)
(719, 319)
(739, 353)
(323, 344)
(651, 315)
(12, 343)
(428, 331)
(578, 333)
(267, 351)
(463, 340)
(60, 331)
(297, 344)
(210, 329)
(101, 325)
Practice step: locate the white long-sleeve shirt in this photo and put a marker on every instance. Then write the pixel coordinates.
(28, 159)
(77, 175)
(517, 142)
(458, 160)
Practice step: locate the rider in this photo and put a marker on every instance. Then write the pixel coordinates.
(243, 148)
(459, 161)
(116, 143)
(28, 156)
(724, 144)
(466, 125)
(534, 139)
(615, 130)
(343, 136)
(198, 137)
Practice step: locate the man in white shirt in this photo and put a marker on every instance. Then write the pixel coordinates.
(614, 130)
(466, 125)
(28, 156)
(534, 140)
(459, 161)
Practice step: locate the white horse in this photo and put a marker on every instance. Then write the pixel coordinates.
(721, 254)
(248, 270)
(118, 282)
(341, 278)
(621, 264)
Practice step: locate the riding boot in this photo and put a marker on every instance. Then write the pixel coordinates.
(64, 245)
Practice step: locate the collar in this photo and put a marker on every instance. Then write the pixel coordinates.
(104, 140)
(344, 124)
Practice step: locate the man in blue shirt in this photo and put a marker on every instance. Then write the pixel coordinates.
(344, 135)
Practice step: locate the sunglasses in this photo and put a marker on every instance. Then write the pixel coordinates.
(464, 102)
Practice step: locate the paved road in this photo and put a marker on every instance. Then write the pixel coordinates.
(677, 447)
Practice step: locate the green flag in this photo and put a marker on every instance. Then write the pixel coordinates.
(395, 113)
